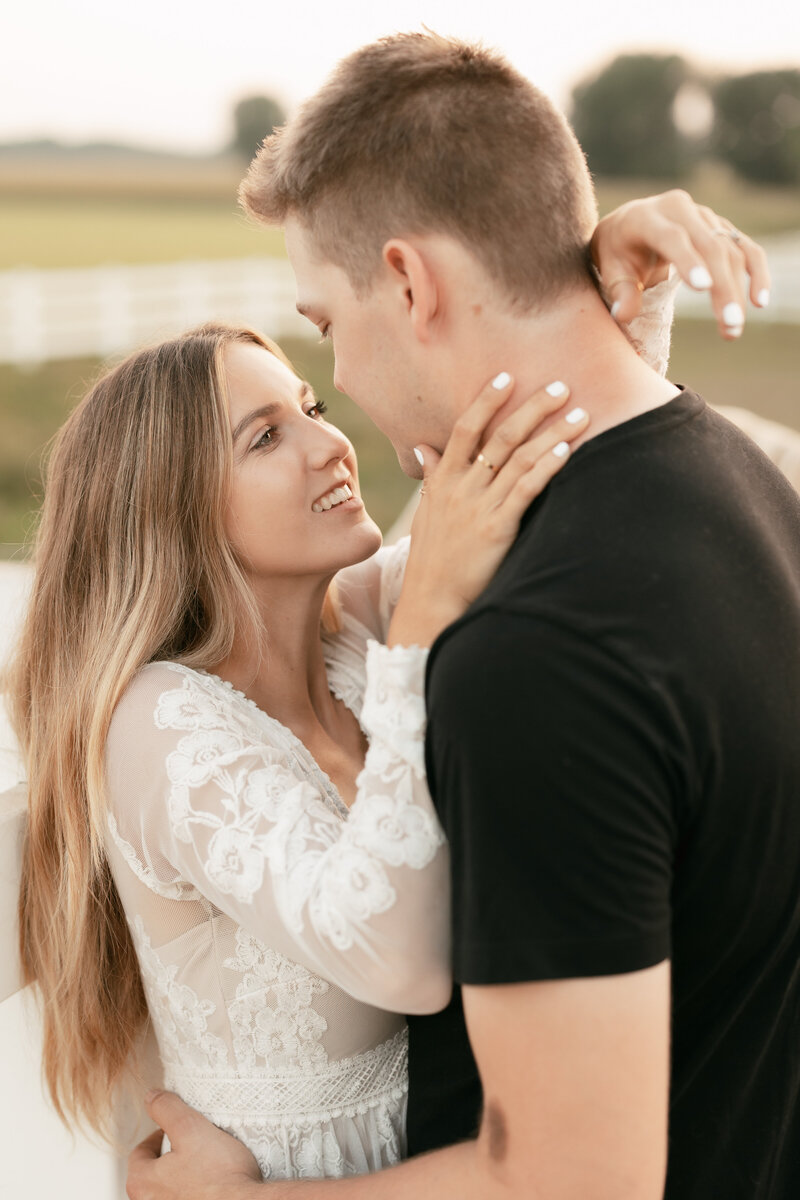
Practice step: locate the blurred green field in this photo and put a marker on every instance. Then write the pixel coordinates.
(759, 210)
(759, 372)
(65, 215)
(86, 232)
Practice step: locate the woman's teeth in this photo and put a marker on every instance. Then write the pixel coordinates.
(331, 499)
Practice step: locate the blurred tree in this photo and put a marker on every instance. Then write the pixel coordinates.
(254, 118)
(624, 117)
(757, 125)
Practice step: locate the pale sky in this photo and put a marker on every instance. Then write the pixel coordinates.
(167, 72)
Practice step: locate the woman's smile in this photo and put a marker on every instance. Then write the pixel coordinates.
(340, 497)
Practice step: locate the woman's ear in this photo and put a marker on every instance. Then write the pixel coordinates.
(412, 272)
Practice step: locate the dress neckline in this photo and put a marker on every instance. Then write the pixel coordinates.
(296, 745)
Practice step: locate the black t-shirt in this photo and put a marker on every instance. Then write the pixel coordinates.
(614, 751)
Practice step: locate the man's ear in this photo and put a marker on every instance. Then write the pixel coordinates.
(417, 288)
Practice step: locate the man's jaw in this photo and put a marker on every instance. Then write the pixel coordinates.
(409, 463)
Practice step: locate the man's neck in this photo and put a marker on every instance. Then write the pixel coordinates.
(576, 342)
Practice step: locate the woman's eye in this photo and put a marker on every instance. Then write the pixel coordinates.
(267, 438)
(317, 410)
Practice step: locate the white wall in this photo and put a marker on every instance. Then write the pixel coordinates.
(38, 1159)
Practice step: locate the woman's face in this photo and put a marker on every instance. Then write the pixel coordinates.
(287, 513)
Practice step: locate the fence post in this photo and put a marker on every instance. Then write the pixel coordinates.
(23, 295)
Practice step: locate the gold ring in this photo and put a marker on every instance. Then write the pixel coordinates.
(733, 234)
(485, 462)
(626, 279)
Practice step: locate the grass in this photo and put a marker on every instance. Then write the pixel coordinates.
(72, 213)
(758, 210)
(86, 232)
(759, 373)
(83, 211)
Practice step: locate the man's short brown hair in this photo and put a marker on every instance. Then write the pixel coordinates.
(418, 133)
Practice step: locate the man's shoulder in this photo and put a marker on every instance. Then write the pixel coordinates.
(496, 655)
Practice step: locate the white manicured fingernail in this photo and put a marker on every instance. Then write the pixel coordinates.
(501, 381)
(615, 307)
(557, 388)
(561, 450)
(418, 454)
(700, 279)
(732, 315)
(763, 298)
(576, 415)
(734, 330)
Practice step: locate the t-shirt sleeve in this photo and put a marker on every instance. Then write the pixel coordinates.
(554, 774)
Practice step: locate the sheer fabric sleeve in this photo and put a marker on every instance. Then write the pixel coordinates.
(650, 333)
(204, 800)
(369, 591)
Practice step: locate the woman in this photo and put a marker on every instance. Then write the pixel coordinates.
(194, 744)
(180, 838)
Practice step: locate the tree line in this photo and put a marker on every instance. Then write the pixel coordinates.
(657, 115)
(651, 115)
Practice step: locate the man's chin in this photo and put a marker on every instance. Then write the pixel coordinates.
(409, 463)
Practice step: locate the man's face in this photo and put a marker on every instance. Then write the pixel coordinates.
(376, 360)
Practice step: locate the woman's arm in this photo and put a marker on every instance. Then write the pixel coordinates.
(210, 801)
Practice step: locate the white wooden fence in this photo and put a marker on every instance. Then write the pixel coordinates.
(109, 310)
(783, 253)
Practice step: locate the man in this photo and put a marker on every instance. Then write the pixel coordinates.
(612, 741)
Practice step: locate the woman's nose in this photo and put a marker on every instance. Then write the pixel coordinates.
(330, 445)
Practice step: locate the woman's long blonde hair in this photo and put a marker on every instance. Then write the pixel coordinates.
(132, 565)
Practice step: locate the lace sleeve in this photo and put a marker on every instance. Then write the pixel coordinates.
(369, 591)
(651, 331)
(204, 797)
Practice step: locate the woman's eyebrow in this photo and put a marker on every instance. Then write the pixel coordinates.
(266, 410)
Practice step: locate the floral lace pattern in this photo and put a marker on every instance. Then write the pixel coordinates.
(289, 1120)
(650, 333)
(269, 993)
(266, 818)
(272, 1017)
(179, 890)
(179, 1015)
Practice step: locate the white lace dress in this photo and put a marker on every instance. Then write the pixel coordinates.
(279, 934)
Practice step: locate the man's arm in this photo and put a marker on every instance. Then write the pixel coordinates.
(575, 1074)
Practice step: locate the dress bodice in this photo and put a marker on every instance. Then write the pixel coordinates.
(277, 938)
